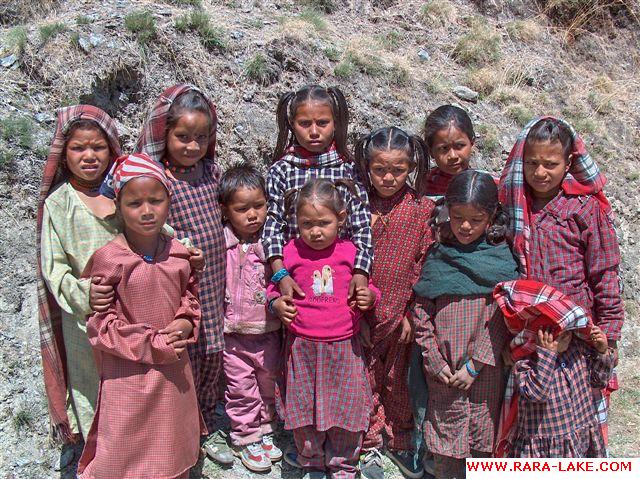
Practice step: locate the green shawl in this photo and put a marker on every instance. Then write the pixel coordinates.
(465, 270)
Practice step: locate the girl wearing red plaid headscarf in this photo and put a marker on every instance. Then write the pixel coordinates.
(562, 225)
(180, 133)
(458, 325)
(147, 411)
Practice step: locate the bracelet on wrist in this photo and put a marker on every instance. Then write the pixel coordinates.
(270, 305)
(278, 275)
(472, 372)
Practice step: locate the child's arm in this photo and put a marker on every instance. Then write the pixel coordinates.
(600, 359)
(273, 233)
(602, 260)
(434, 364)
(533, 376)
(359, 225)
(71, 293)
(187, 319)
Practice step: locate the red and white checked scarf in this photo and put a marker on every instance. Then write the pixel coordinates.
(49, 317)
(153, 137)
(128, 167)
(528, 306)
(584, 178)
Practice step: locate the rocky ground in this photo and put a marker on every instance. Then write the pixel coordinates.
(395, 61)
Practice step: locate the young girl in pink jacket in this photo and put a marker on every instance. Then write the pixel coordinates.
(251, 333)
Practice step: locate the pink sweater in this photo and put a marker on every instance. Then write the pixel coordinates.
(324, 276)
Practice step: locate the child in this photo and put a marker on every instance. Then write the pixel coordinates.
(562, 225)
(147, 408)
(251, 334)
(312, 136)
(449, 136)
(458, 325)
(401, 236)
(181, 134)
(548, 397)
(328, 397)
(73, 222)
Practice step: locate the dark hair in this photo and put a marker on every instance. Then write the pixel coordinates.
(478, 189)
(288, 106)
(241, 175)
(319, 191)
(388, 139)
(551, 130)
(188, 102)
(445, 116)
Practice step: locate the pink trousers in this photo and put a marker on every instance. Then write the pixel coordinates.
(251, 364)
(335, 450)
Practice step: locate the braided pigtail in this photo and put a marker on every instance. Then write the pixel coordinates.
(290, 198)
(497, 232)
(340, 121)
(361, 160)
(421, 162)
(285, 131)
(439, 223)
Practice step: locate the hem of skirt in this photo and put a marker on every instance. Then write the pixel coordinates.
(326, 427)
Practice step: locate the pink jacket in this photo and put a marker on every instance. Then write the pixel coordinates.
(245, 310)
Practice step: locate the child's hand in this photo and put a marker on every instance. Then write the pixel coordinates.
(178, 332)
(444, 376)
(196, 260)
(462, 379)
(545, 340)
(365, 334)
(100, 295)
(288, 287)
(365, 298)
(358, 280)
(285, 309)
(599, 340)
(406, 336)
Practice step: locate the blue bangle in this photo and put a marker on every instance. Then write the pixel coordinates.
(472, 372)
(278, 275)
(270, 305)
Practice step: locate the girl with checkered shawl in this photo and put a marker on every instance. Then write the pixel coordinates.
(180, 133)
(401, 235)
(458, 325)
(563, 233)
(312, 143)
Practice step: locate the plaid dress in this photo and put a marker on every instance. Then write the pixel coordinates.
(556, 413)
(147, 420)
(451, 330)
(401, 237)
(291, 172)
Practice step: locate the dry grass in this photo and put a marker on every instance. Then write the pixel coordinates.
(15, 40)
(438, 12)
(480, 45)
(212, 38)
(526, 31)
(510, 72)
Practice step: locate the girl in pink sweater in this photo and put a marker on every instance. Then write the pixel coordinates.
(328, 397)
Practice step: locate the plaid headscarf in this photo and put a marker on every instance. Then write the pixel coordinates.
(49, 316)
(584, 178)
(527, 306)
(128, 167)
(153, 138)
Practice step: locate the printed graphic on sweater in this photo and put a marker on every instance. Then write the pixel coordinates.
(323, 281)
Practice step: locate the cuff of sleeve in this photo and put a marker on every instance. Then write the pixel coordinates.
(362, 262)
(433, 363)
(273, 250)
(84, 284)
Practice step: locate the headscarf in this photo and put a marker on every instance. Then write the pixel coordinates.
(583, 178)
(153, 138)
(527, 306)
(49, 316)
(129, 167)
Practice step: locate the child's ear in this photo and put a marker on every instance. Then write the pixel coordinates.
(342, 216)
(569, 162)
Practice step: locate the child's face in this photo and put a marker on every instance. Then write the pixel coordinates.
(87, 154)
(389, 171)
(451, 150)
(188, 140)
(468, 223)
(545, 166)
(144, 206)
(564, 339)
(319, 225)
(247, 212)
(313, 126)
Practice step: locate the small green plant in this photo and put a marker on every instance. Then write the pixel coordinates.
(391, 40)
(7, 157)
(47, 32)
(345, 68)
(83, 20)
(16, 40)
(23, 418)
(199, 22)
(142, 24)
(435, 85)
(478, 47)
(187, 3)
(324, 6)
(257, 68)
(332, 53)
(313, 17)
(520, 114)
(398, 75)
(438, 11)
(256, 23)
(75, 40)
(367, 63)
(488, 141)
(17, 130)
(633, 176)
(526, 31)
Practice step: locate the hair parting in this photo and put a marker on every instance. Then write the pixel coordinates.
(550, 130)
(188, 102)
(319, 191)
(446, 116)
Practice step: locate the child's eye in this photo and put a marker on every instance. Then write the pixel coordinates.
(460, 146)
(304, 124)
(202, 138)
(323, 122)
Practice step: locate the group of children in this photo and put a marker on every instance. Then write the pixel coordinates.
(485, 324)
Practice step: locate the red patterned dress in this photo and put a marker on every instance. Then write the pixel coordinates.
(401, 238)
(147, 418)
